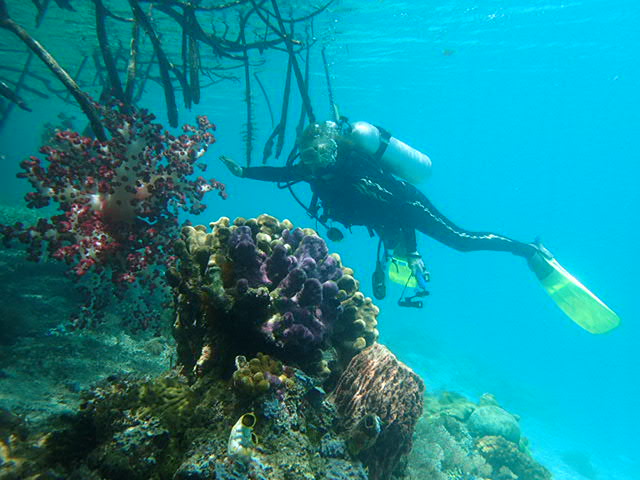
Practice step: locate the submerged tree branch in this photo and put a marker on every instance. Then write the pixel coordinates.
(163, 63)
(82, 98)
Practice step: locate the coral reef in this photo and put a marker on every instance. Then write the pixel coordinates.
(118, 200)
(494, 420)
(279, 376)
(448, 444)
(265, 318)
(376, 383)
(262, 285)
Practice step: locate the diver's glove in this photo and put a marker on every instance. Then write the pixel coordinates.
(233, 167)
(418, 268)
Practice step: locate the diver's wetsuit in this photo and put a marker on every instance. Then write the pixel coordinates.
(356, 191)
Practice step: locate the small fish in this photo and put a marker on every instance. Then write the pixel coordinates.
(334, 234)
(447, 52)
(316, 396)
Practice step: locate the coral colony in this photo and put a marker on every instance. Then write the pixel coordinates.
(276, 287)
(119, 199)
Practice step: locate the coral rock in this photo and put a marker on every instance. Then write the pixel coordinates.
(493, 420)
(377, 383)
(502, 454)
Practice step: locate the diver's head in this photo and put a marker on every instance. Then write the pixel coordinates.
(318, 145)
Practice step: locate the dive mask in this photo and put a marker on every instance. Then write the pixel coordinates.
(318, 146)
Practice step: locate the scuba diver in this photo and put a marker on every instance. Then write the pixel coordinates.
(360, 175)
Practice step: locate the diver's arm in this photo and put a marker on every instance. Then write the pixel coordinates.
(274, 174)
(267, 174)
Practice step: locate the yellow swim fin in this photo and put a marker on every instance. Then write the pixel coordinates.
(576, 300)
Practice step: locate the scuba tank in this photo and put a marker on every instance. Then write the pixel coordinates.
(399, 158)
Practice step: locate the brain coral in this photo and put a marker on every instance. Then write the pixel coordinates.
(262, 285)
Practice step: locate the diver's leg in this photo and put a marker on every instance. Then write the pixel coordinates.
(428, 220)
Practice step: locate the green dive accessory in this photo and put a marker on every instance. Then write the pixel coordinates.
(400, 272)
(575, 300)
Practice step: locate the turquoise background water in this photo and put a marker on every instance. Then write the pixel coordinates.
(530, 111)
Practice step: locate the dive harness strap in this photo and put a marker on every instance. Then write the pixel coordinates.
(385, 136)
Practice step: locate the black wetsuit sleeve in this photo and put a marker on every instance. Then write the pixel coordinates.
(274, 174)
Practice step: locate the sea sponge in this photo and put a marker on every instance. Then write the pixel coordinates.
(376, 383)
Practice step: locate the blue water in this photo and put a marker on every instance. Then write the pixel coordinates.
(530, 111)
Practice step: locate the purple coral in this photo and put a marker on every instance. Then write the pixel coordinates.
(293, 237)
(299, 273)
(246, 257)
(311, 293)
(278, 264)
(306, 298)
(292, 283)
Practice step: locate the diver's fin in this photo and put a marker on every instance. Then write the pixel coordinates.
(576, 300)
